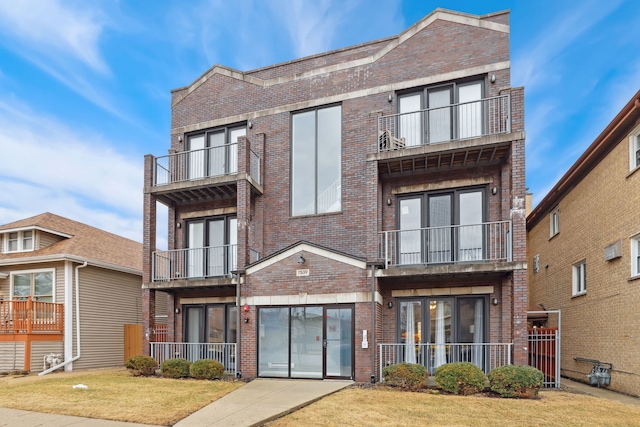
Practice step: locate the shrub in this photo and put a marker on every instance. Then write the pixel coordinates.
(460, 378)
(407, 376)
(175, 368)
(206, 369)
(516, 381)
(141, 365)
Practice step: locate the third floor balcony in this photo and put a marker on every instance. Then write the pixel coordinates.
(205, 174)
(464, 134)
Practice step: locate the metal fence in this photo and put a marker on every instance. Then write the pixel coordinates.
(486, 242)
(224, 353)
(196, 164)
(487, 116)
(487, 356)
(212, 261)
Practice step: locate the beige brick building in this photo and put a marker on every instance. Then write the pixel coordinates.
(583, 245)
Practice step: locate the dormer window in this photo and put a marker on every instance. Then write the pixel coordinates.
(19, 241)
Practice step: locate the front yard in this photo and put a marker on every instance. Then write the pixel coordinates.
(115, 395)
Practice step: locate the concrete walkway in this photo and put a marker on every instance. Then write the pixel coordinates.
(260, 401)
(599, 392)
(18, 418)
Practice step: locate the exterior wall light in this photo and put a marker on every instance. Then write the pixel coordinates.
(494, 301)
(250, 124)
(389, 201)
(493, 78)
(390, 304)
(390, 98)
(494, 190)
(177, 310)
(301, 260)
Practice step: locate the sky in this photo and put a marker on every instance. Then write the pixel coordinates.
(85, 86)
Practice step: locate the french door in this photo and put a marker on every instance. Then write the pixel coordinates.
(212, 246)
(443, 227)
(214, 152)
(306, 342)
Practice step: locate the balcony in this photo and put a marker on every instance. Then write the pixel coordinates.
(214, 262)
(484, 247)
(487, 356)
(19, 317)
(457, 135)
(203, 175)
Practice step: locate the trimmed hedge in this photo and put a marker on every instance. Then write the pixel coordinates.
(175, 368)
(516, 381)
(407, 376)
(141, 365)
(206, 369)
(462, 378)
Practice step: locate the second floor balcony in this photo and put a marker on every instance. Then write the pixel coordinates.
(194, 263)
(204, 174)
(456, 245)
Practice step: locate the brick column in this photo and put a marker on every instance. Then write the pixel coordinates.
(148, 246)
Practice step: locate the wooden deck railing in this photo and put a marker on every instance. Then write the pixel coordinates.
(29, 316)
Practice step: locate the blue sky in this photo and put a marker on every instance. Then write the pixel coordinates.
(85, 86)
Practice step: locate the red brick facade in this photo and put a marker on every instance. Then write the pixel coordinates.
(340, 247)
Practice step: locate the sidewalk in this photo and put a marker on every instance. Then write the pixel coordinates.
(260, 401)
(16, 417)
(599, 392)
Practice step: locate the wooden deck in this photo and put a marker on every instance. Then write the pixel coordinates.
(30, 317)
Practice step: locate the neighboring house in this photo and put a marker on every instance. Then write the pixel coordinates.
(337, 213)
(584, 245)
(51, 269)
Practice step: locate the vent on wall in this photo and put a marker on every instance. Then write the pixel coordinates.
(613, 251)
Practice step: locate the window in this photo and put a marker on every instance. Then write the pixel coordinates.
(634, 149)
(635, 255)
(19, 241)
(554, 222)
(441, 113)
(36, 284)
(580, 278)
(316, 168)
(442, 322)
(212, 246)
(214, 152)
(441, 227)
(536, 263)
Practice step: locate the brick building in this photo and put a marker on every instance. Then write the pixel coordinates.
(584, 243)
(340, 212)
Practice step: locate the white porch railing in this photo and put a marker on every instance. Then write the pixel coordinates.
(212, 261)
(487, 116)
(487, 356)
(476, 243)
(224, 353)
(197, 164)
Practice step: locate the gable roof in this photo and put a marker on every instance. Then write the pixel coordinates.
(610, 137)
(80, 243)
(387, 44)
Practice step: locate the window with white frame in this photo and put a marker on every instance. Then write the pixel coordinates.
(18, 241)
(316, 161)
(554, 222)
(635, 255)
(635, 151)
(580, 278)
(37, 284)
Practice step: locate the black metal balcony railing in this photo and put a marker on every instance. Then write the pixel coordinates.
(489, 116)
(203, 163)
(477, 243)
(195, 263)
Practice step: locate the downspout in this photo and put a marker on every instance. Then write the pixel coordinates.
(73, 359)
(373, 324)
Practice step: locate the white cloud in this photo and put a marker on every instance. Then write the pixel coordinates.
(53, 29)
(74, 173)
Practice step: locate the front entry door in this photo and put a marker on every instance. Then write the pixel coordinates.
(306, 342)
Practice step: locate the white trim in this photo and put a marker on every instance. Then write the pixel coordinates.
(20, 241)
(68, 310)
(635, 253)
(68, 257)
(35, 227)
(579, 278)
(634, 146)
(304, 298)
(38, 270)
(309, 249)
(554, 226)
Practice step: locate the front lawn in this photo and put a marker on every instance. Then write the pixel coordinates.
(113, 395)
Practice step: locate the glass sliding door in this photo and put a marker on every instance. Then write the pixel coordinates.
(194, 324)
(470, 233)
(439, 117)
(440, 220)
(195, 246)
(216, 248)
(470, 110)
(307, 337)
(339, 342)
(410, 121)
(410, 235)
(197, 165)
(217, 154)
(440, 331)
(410, 328)
(471, 330)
